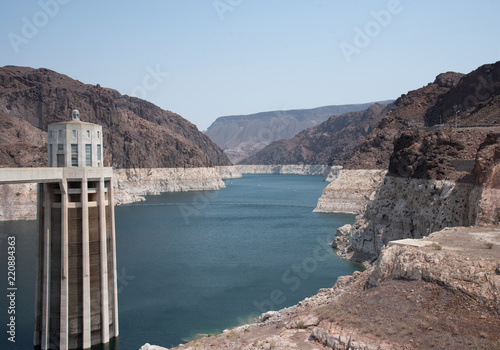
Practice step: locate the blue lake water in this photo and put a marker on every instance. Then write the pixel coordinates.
(201, 262)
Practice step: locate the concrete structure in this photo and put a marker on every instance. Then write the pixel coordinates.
(75, 143)
(76, 303)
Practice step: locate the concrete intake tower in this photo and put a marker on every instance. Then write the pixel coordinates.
(76, 303)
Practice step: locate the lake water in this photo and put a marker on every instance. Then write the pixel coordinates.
(201, 262)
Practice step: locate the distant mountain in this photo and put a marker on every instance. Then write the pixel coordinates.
(331, 142)
(137, 134)
(243, 135)
(476, 97)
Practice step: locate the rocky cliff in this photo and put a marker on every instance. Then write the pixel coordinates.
(453, 98)
(350, 191)
(132, 184)
(288, 169)
(331, 142)
(436, 179)
(242, 135)
(137, 133)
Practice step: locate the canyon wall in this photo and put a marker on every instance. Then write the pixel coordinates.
(430, 185)
(293, 169)
(132, 184)
(350, 191)
(407, 208)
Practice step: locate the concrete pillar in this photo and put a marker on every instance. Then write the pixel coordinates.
(113, 242)
(104, 263)
(64, 316)
(86, 267)
(45, 329)
(39, 267)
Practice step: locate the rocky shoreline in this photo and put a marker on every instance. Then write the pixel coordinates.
(288, 169)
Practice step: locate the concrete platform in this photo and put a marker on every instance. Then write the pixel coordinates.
(41, 175)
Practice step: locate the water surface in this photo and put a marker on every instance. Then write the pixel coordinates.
(200, 262)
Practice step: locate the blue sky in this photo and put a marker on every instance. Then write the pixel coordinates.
(209, 58)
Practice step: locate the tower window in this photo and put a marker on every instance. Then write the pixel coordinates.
(50, 154)
(88, 155)
(60, 147)
(74, 154)
(88, 133)
(74, 133)
(60, 134)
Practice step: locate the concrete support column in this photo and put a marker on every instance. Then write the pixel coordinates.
(87, 331)
(64, 316)
(104, 263)
(45, 342)
(39, 267)
(113, 242)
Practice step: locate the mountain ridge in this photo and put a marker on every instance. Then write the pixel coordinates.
(138, 134)
(243, 135)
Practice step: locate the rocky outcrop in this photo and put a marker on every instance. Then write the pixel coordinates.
(131, 184)
(407, 208)
(430, 185)
(297, 169)
(331, 142)
(242, 135)
(408, 113)
(350, 191)
(137, 134)
(228, 172)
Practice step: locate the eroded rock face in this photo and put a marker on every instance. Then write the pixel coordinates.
(408, 112)
(241, 136)
(436, 179)
(331, 142)
(350, 191)
(474, 277)
(131, 184)
(408, 208)
(137, 134)
(289, 169)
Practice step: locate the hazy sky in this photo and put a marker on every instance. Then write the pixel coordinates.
(209, 58)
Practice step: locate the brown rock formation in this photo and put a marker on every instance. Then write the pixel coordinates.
(137, 133)
(331, 142)
(408, 113)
